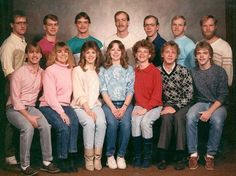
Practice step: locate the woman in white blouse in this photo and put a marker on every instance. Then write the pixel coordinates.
(87, 106)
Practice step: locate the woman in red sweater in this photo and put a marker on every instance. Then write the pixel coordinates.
(148, 96)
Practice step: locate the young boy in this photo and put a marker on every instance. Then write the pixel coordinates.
(210, 82)
(25, 85)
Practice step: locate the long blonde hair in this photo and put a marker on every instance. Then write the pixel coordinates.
(52, 56)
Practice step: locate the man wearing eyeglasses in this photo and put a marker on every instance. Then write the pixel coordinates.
(12, 57)
(151, 28)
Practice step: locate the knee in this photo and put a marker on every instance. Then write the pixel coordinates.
(28, 130)
(191, 118)
(217, 123)
(89, 124)
(125, 126)
(64, 130)
(145, 124)
(166, 120)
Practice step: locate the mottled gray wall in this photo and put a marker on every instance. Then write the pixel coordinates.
(102, 12)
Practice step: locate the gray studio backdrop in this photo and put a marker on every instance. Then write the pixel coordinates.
(102, 13)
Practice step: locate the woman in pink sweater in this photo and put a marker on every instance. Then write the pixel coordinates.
(55, 104)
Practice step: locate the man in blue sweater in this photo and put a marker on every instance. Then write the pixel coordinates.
(186, 45)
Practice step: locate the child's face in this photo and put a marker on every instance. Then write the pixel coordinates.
(169, 55)
(34, 55)
(90, 56)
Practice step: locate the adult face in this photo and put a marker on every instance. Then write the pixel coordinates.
(121, 22)
(169, 55)
(33, 56)
(208, 29)
(51, 27)
(150, 27)
(90, 56)
(178, 28)
(82, 25)
(19, 26)
(143, 55)
(115, 52)
(203, 57)
(62, 55)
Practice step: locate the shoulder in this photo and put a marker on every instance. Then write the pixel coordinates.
(72, 40)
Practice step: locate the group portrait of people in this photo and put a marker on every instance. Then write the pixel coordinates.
(115, 90)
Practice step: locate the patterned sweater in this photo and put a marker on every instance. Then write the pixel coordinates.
(177, 87)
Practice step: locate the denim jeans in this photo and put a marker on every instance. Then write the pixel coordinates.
(142, 125)
(93, 132)
(66, 135)
(115, 126)
(27, 133)
(216, 122)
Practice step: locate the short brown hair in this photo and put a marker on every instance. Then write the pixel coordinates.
(82, 15)
(31, 45)
(151, 16)
(144, 44)
(90, 45)
(120, 12)
(204, 45)
(178, 17)
(207, 17)
(123, 59)
(51, 17)
(52, 56)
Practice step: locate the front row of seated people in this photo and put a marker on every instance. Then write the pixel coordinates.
(165, 92)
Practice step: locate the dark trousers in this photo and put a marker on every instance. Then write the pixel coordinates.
(173, 124)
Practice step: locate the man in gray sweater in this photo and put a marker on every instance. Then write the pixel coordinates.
(211, 90)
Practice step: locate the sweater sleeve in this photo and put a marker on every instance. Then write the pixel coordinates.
(156, 97)
(15, 91)
(222, 88)
(50, 91)
(79, 94)
(102, 82)
(130, 81)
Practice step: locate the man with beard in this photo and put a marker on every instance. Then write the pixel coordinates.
(222, 53)
(186, 45)
(82, 22)
(50, 25)
(151, 27)
(123, 34)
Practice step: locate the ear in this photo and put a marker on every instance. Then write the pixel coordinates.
(11, 24)
(44, 27)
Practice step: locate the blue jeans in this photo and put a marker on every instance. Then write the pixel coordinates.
(216, 122)
(66, 135)
(114, 126)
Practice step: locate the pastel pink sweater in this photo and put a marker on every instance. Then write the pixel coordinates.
(57, 87)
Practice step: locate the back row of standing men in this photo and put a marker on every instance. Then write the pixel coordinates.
(222, 51)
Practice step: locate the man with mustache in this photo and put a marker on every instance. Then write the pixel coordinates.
(123, 34)
(222, 53)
